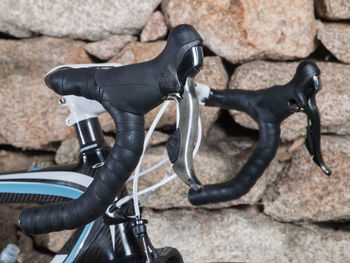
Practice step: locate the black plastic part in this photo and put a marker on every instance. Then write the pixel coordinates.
(173, 146)
(127, 93)
(135, 88)
(268, 107)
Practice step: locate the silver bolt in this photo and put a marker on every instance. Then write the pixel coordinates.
(62, 101)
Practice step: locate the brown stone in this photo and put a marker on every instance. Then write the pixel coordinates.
(9, 217)
(231, 235)
(304, 193)
(34, 257)
(212, 74)
(53, 241)
(30, 114)
(332, 100)
(336, 38)
(155, 28)
(333, 9)
(80, 19)
(246, 30)
(108, 47)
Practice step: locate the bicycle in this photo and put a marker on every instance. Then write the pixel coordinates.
(174, 70)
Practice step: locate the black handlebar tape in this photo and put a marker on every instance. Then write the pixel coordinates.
(249, 173)
(102, 191)
(265, 151)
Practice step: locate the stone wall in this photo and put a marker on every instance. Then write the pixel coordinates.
(293, 214)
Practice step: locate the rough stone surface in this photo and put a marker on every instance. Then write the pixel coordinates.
(158, 138)
(84, 19)
(212, 74)
(28, 254)
(68, 152)
(34, 257)
(9, 217)
(9, 234)
(12, 161)
(53, 241)
(155, 28)
(333, 9)
(231, 235)
(212, 164)
(304, 193)
(336, 38)
(246, 30)
(332, 100)
(30, 114)
(109, 47)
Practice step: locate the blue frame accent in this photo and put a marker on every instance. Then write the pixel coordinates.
(49, 189)
(74, 252)
(39, 188)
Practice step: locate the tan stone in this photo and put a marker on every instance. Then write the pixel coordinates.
(336, 38)
(304, 193)
(332, 100)
(231, 235)
(155, 28)
(333, 9)
(108, 47)
(13, 161)
(68, 152)
(246, 30)
(30, 114)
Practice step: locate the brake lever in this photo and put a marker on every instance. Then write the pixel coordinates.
(313, 128)
(180, 145)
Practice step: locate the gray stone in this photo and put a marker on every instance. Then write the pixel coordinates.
(84, 19)
(108, 47)
(336, 38)
(332, 100)
(333, 9)
(30, 114)
(155, 28)
(304, 193)
(246, 30)
(231, 235)
(212, 74)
